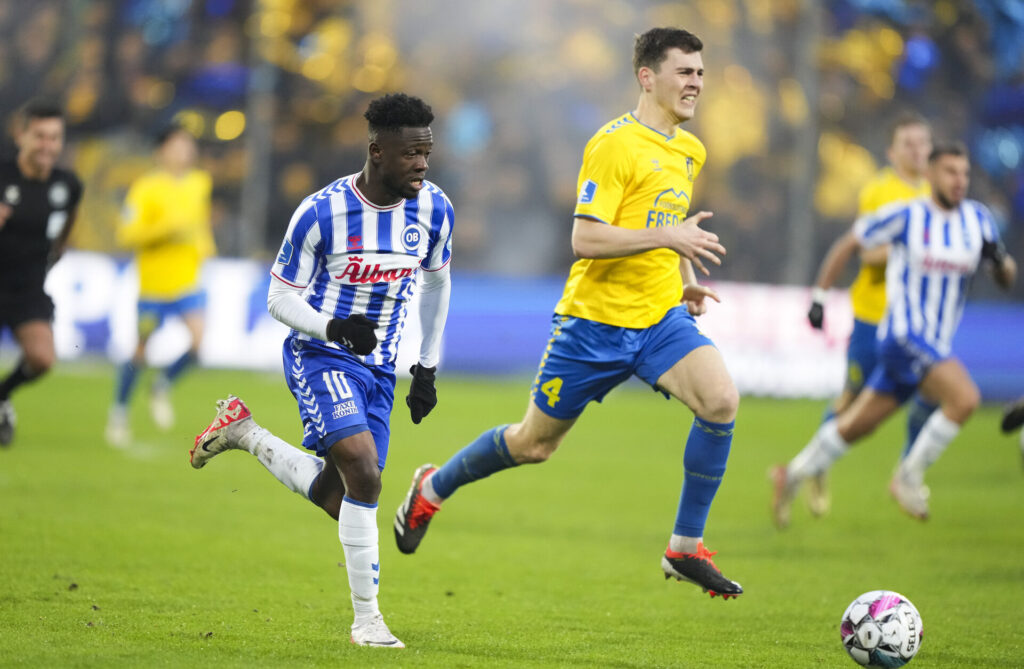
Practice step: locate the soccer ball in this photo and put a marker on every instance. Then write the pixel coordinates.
(881, 628)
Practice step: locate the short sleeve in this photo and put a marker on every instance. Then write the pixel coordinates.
(603, 177)
(882, 226)
(301, 248)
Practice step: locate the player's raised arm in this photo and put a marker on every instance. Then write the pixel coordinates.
(595, 239)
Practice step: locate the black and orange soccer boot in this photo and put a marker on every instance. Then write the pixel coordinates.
(698, 568)
(414, 514)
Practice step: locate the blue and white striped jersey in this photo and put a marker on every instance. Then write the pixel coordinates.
(353, 257)
(934, 255)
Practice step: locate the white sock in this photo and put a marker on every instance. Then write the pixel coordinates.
(680, 544)
(357, 529)
(294, 468)
(825, 447)
(933, 439)
(427, 490)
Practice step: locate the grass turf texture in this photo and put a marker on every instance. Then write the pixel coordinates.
(131, 558)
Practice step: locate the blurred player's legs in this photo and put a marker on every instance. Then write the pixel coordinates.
(958, 396)
(152, 314)
(828, 444)
(35, 338)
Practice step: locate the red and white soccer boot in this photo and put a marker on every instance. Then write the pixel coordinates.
(233, 420)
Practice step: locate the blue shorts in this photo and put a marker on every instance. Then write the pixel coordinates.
(861, 356)
(152, 313)
(338, 396)
(902, 365)
(585, 359)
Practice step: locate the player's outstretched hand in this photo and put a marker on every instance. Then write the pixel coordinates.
(693, 243)
(816, 314)
(356, 333)
(422, 395)
(693, 298)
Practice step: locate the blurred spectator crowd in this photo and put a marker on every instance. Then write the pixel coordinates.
(795, 112)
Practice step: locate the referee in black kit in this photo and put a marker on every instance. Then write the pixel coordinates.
(38, 201)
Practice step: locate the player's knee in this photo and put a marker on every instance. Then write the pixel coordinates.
(537, 450)
(39, 360)
(720, 406)
(963, 405)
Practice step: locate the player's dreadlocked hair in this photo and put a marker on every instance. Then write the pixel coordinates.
(398, 110)
(651, 48)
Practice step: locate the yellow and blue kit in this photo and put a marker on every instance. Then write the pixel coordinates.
(620, 317)
(632, 177)
(167, 224)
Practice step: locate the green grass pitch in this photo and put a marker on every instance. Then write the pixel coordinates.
(130, 558)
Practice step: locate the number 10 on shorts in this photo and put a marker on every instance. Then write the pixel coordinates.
(337, 385)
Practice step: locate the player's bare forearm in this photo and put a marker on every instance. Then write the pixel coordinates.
(836, 259)
(1005, 274)
(594, 239)
(878, 255)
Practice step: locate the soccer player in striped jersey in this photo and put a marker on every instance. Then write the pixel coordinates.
(353, 255)
(621, 313)
(937, 245)
(910, 142)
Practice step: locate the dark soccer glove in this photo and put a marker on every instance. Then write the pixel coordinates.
(816, 314)
(994, 251)
(422, 395)
(356, 333)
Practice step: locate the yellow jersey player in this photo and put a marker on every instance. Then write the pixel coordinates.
(167, 224)
(910, 142)
(621, 313)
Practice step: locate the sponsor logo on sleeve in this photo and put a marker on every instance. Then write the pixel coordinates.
(285, 256)
(587, 192)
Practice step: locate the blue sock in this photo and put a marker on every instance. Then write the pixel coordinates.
(707, 450)
(486, 455)
(174, 370)
(917, 415)
(125, 382)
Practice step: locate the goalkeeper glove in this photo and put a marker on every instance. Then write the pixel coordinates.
(355, 333)
(816, 314)
(422, 395)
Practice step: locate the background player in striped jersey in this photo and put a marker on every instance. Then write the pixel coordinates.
(353, 255)
(38, 202)
(620, 313)
(166, 224)
(910, 142)
(938, 243)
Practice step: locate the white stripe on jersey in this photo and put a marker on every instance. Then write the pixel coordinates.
(353, 257)
(934, 255)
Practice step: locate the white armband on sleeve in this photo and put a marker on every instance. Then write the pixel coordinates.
(435, 291)
(285, 303)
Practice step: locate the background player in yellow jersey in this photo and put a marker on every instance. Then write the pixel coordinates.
(167, 224)
(910, 142)
(621, 313)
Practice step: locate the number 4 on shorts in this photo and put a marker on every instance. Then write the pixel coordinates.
(551, 390)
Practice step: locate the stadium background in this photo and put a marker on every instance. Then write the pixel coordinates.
(798, 99)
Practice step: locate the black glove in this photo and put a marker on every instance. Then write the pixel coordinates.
(816, 315)
(422, 395)
(994, 251)
(356, 333)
